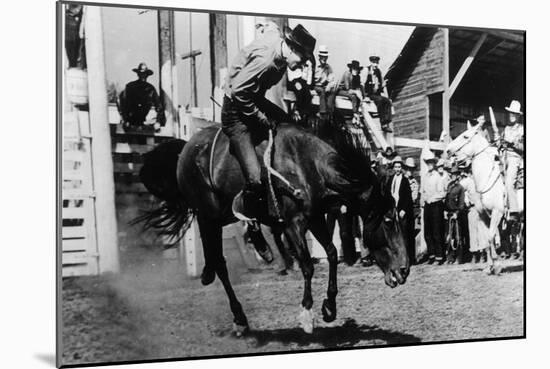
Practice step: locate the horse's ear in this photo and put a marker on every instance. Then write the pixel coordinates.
(468, 125)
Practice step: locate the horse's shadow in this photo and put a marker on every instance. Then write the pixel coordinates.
(347, 334)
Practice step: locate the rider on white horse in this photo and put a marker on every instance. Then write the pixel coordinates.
(512, 149)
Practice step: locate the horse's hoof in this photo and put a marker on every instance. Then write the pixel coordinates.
(240, 330)
(329, 315)
(307, 320)
(207, 276)
(266, 255)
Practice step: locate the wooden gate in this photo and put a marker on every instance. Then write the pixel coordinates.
(79, 245)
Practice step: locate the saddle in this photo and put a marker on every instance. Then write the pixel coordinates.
(271, 194)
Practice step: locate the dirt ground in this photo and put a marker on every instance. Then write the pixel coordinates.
(155, 311)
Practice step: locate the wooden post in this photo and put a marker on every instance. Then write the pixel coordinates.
(102, 161)
(168, 69)
(446, 113)
(466, 65)
(218, 59)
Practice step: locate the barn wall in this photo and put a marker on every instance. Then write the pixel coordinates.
(421, 75)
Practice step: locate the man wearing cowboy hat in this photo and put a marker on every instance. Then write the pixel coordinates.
(138, 98)
(399, 188)
(350, 86)
(374, 87)
(408, 167)
(455, 207)
(246, 114)
(512, 148)
(434, 189)
(324, 81)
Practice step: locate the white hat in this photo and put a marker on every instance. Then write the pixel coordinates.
(323, 50)
(515, 107)
(440, 163)
(397, 159)
(429, 156)
(409, 162)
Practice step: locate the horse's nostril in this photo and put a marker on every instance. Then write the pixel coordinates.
(405, 271)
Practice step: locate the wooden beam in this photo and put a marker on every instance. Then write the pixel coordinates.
(466, 65)
(218, 47)
(446, 110)
(419, 144)
(507, 35)
(167, 63)
(102, 161)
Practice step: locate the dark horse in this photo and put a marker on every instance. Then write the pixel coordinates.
(207, 188)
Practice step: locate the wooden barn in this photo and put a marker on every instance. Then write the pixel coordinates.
(445, 76)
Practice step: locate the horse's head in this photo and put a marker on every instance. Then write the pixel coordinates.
(467, 144)
(384, 238)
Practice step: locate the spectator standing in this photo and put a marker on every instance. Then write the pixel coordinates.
(433, 195)
(399, 188)
(455, 208)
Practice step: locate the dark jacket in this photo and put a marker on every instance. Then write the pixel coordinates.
(136, 101)
(454, 200)
(370, 85)
(405, 195)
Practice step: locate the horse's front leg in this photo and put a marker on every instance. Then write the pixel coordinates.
(319, 229)
(295, 234)
(494, 268)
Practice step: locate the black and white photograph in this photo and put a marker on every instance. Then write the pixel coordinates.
(239, 184)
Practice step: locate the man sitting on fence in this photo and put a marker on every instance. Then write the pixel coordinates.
(138, 98)
(374, 87)
(350, 86)
(324, 82)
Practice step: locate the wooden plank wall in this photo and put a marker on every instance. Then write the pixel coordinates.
(423, 77)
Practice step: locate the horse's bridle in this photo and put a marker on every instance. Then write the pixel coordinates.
(476, 154)
(468, 141)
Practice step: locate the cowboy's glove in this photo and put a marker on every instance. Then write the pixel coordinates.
(265, 122)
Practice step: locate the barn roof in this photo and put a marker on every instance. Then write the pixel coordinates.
(501, 55)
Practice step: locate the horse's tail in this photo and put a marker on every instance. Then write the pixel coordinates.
(158, 174)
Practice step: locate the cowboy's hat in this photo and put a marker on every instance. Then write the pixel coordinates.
(301, 41)
(515, 107)
(430, 157)
(440, 163)
(374, 58)
(409, 163)
(355, 65)
(323, 50)
(397, 159)
(142, 69)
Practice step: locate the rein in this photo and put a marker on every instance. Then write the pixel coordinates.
(211, 161)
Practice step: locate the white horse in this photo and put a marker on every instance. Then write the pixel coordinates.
(489, 183)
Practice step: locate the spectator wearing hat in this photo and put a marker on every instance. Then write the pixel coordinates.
(434, 189)
(324, 83)
(374, 87)
(455, 208)
(399, 188)
(138, 98)
(247, 113)
(350, 85)
(408, 167)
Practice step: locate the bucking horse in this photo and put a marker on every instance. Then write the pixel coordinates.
(206, 179)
